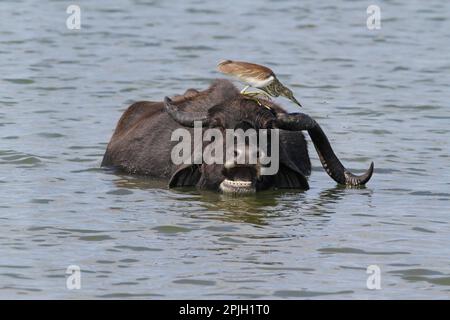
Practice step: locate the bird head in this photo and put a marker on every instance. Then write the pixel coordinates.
(286, 92)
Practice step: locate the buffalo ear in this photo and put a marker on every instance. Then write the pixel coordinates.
(287, 178)
(291, 174)
(186, 176)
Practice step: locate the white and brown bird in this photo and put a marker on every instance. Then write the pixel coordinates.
(256, 76)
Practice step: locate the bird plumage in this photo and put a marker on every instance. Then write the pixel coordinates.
(257, 76)
(245, 70)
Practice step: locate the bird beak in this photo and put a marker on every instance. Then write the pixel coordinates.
(295, 100)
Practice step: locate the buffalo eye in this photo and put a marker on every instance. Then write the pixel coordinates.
(268, 124)
(215, 123)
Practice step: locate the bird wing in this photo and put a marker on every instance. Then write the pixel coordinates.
(245, 70)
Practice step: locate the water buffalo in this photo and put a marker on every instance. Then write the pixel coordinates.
(141, 143)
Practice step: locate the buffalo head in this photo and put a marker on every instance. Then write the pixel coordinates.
(231, 110)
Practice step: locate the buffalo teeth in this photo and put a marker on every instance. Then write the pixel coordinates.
(238, 183)
(237, 187)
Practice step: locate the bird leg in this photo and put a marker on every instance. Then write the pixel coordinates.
(257, 93)
(245, 88)
(253, 97)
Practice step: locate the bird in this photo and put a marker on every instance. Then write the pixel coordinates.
(257, 76)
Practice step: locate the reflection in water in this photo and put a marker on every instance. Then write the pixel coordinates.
(123, 180)
(256, 208)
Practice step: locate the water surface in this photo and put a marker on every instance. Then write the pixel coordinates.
(380, 95)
